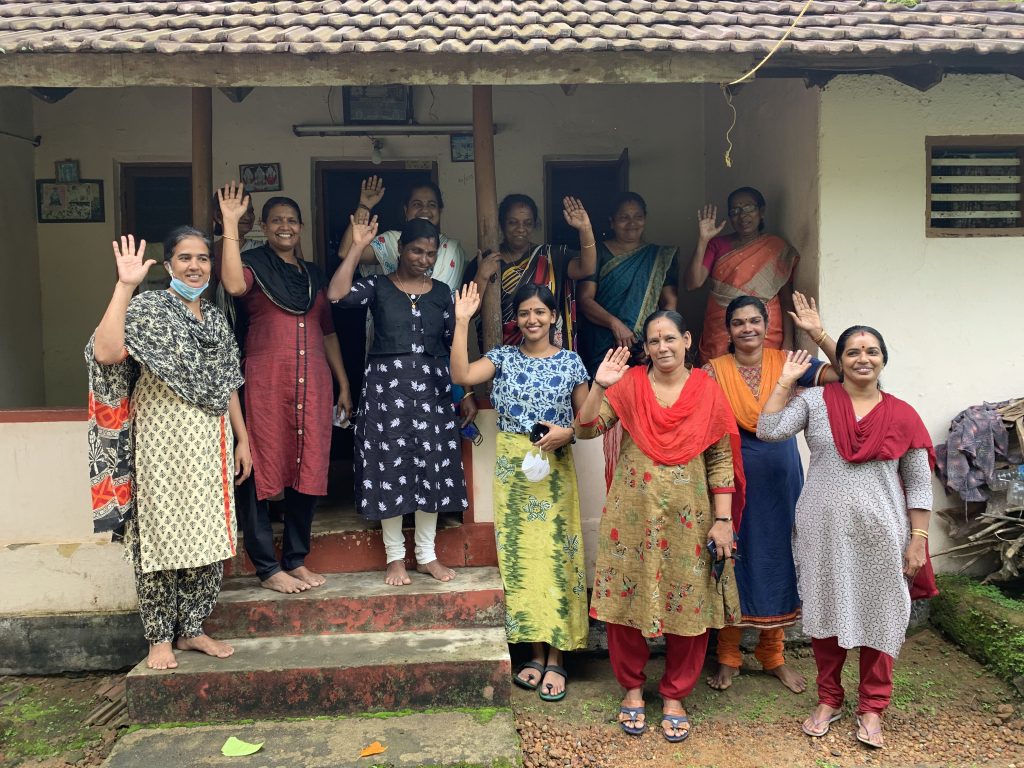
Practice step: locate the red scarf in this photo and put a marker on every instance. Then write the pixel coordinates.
(887, 433)
(674, 436)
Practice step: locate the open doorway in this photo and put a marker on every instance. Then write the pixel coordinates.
(155, 198)
(597, 181)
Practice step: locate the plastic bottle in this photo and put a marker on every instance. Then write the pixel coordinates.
(1015, 494)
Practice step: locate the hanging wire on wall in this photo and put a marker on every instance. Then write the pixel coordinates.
(35, 141)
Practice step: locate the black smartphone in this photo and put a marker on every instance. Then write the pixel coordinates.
(538, 431)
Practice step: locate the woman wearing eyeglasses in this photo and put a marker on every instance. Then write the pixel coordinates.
(747, 262)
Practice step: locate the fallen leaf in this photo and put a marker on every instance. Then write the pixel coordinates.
(374, 749)
(237, 748)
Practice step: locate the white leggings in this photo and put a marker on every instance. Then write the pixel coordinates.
(394, 540)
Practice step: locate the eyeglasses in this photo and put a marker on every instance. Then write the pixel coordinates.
(748, 208)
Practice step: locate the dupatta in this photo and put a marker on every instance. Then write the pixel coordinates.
(293, 290)
(673, 436)
(744, 405)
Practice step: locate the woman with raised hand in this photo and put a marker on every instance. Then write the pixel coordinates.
(291, 350)
(407, 435)
(164, 419)
(664, 559)
(861, 521)
(537, 388)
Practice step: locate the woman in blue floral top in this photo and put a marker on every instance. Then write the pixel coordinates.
(537, 388)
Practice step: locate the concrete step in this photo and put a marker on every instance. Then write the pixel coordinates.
(310, 675)
(353, 551)
(360, 602)
(485, 739)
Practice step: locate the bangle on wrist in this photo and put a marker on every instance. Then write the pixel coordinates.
(784, 386)
(469, 393)
(822, 337)
(723, 519)
(919, 532)
(365, 207)
(229, 237)
(587, 245)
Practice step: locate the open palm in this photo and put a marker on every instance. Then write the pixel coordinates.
(131, 269)
(575, 214)
(613, 367)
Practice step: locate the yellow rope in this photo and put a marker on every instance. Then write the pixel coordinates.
(775, 47)
(728, 100)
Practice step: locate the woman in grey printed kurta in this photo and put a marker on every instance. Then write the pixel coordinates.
(860, 507)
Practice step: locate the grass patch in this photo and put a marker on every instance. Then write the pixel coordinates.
(34, 726)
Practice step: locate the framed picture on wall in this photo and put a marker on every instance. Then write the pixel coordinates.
(64, 203)
(261, 177)
(66, 171)
(370, 104)
(462, 147)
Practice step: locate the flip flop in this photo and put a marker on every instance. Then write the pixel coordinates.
(869, 739)
(827, 722)
(634, 713)
(558, 671)
(676, 721)
(522, 683)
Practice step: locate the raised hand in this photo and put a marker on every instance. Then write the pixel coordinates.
(613, 367)
(370, 192)
(131, 269)
(806, 316)
(487, 264)
(706, 222)
(362, 234)
(575, 214)
(233, 202)
(467, 301)
(797, 364)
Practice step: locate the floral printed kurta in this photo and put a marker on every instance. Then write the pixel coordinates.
(653, 567)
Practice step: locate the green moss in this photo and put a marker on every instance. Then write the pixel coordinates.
(988, 625)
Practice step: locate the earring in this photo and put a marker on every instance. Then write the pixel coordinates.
(430, 272)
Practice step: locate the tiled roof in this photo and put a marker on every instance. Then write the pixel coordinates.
(510, 26)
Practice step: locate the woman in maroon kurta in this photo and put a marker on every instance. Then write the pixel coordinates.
(290, 351)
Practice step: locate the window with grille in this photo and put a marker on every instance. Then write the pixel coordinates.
(974, 186)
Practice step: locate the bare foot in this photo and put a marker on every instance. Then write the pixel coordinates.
(789, 677)
(302, 573)
(396, 575)
(204, 644)
(161, 656)
(821, 720)
(869, 730)
(438, 571)
(723, 678)
(282, 582)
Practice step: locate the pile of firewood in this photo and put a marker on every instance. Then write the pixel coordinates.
(991, 532)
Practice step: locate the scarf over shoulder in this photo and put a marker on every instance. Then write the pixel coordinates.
(887, 433)
(674, 436)
(293, 290)
(198, 360)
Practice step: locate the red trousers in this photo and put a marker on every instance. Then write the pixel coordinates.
(875, 676)
(684, 659)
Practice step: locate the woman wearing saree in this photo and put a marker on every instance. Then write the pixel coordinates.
(765, 573)
(746, 263)
(163, 419)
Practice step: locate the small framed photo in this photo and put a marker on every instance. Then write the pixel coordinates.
(261, 177)
(66, 171)
(61, 203)
(462, 147)
(370, 104)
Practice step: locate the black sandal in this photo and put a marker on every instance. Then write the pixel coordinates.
(523, 683)
(565, 676)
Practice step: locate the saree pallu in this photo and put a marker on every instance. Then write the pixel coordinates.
(546, 265)
(760, 269)
(540, 548)
(629, 287)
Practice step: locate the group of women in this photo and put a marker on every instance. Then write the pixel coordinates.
(707, 523)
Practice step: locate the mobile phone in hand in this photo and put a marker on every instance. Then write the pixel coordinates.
(538, 431)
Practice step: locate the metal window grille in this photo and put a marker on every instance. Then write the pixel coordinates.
(975, 190)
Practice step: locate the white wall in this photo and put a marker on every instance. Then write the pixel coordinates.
(21, 338)
(661, 125)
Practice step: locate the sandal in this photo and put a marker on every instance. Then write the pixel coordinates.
(677, 721)
(635, 713)
(872, 738)
(558, 671)
(816, 730)
(523, 682)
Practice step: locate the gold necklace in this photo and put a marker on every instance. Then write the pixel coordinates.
(412, 297)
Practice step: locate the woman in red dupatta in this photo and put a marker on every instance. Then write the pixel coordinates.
(746, 263)
(861, 522)
(678, 488)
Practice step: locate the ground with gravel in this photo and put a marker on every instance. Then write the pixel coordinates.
(946, 712)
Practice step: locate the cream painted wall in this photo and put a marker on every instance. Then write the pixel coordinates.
(21, 338)
(105, 127)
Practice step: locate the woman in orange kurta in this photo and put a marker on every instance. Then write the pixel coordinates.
(747, 262)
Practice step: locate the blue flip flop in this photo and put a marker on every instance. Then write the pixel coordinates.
(634, 713)
(526, 683)
(677, 722)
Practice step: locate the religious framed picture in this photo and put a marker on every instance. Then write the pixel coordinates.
(462, 147)
(58, 202)
(375, 104)
(66, 171)
(261, 177)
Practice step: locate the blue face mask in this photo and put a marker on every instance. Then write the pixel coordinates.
(186, 291)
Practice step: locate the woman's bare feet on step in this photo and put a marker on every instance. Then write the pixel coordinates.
(438, 571)
(789, 677)
(396, 575)
(302, 573)
(161, 656)
(283, 582)
(204, 644)
(723, 678)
